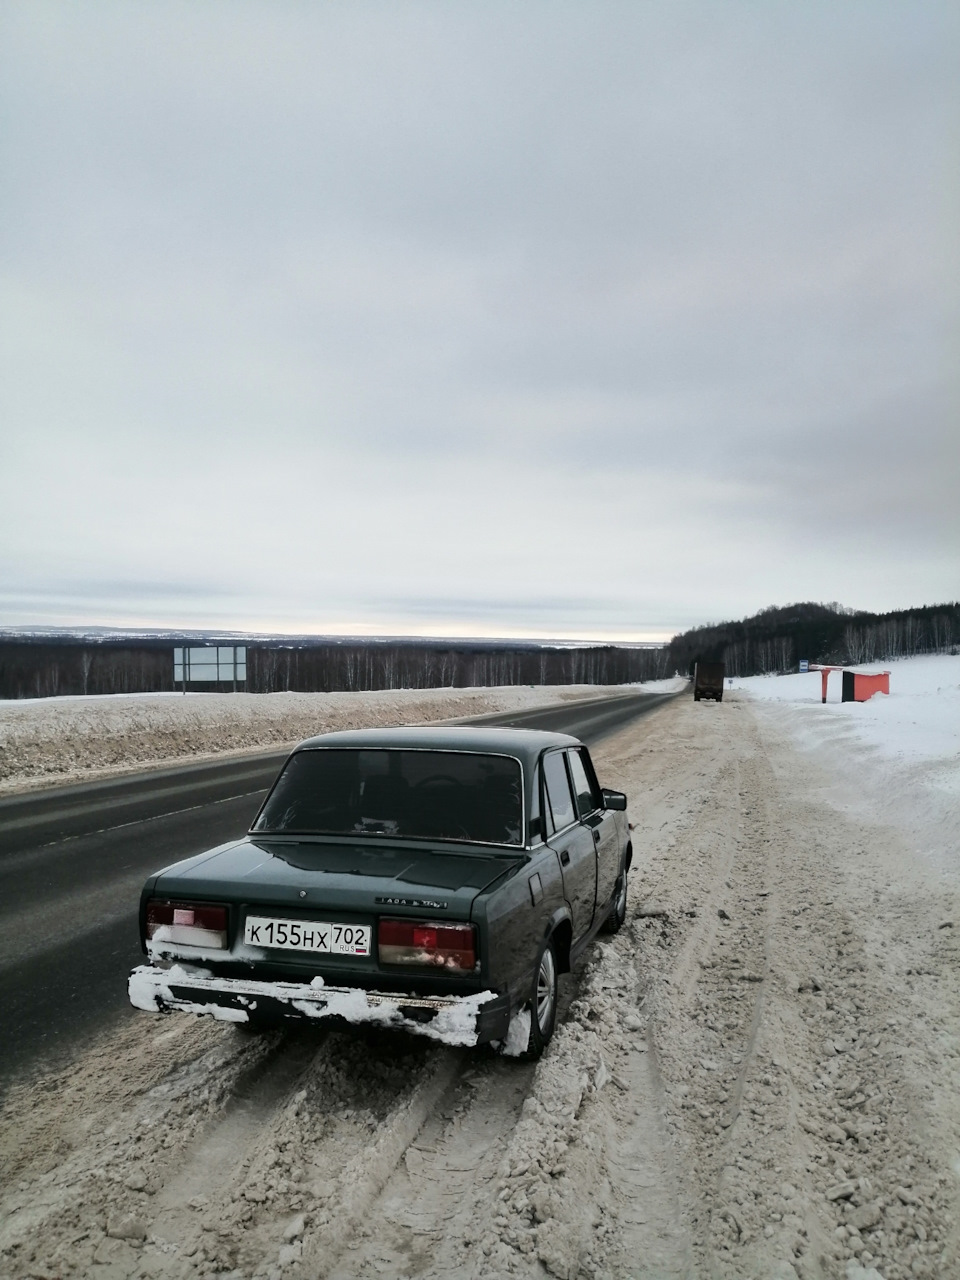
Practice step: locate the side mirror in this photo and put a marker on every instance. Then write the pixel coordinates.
(614, 800)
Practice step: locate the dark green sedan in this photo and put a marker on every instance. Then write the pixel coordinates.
(436, 880)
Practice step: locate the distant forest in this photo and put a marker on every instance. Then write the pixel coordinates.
(775, 639)
(50, 666)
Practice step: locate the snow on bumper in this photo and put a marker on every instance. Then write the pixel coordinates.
(456, 1020)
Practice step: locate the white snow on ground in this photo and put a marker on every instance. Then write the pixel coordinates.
(896, 757)
(63, 740)
(919, 720)
(673, 684)
(755, 1078)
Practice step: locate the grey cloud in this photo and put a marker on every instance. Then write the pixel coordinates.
(264, 264)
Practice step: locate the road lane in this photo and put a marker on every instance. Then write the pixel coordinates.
(589, 720)
(73, 860)
(41, 817)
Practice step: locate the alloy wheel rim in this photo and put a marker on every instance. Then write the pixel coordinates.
(546, 988)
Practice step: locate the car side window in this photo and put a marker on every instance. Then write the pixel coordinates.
(587, 801)
(557, 786)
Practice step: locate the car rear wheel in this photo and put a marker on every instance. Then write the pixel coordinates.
(618, 912)
(256, 1025)
(543, 1002)
(249, 1030)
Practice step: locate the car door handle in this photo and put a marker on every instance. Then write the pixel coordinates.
(596, 836)
(565, 858)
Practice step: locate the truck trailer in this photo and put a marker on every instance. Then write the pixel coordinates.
(708, 681)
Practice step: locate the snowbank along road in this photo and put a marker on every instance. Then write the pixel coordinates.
(755, 1078)
(69, 740)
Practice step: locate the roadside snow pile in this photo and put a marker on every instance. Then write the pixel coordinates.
(897, 756)
(72, 739)
(672, 684)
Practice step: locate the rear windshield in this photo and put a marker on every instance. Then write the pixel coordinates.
(437, 795)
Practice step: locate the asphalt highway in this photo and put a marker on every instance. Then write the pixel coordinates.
(73, 860)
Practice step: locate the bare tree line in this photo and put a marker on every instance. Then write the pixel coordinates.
(774, 640)
(771, 641)
(760, 657)
(42, 669)
(405, 666)
(900, 637)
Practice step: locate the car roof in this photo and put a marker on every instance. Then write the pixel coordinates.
(525, 744)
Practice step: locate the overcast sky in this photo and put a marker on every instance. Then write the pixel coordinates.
(584, 320)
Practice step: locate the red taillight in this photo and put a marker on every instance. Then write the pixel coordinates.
(190, 924)
(438, 946)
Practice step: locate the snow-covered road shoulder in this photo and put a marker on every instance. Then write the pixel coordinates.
(755, 1077)
(63, 740)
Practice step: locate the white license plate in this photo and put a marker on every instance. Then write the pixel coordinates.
(308, 935)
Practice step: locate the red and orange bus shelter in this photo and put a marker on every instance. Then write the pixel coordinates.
(857, 686)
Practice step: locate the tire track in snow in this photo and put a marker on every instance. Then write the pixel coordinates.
(109, 1162)
(428, 1211)
(827, 1142)
(205, 1172)
(456, 1158)
(711, 1018)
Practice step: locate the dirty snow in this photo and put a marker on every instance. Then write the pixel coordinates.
(149, 989)
(62, 740)
(518, 1034)
(755, 1079)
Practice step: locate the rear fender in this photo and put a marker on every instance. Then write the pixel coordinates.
(560, 933)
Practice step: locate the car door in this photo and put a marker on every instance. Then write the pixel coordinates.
(573, 842)
(599, 821)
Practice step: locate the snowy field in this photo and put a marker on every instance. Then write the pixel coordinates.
(895, 756)
(919, 720)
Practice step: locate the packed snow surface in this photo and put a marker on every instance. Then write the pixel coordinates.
(63, 740)
(756, 1078)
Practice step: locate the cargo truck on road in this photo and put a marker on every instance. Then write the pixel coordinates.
(708, 681)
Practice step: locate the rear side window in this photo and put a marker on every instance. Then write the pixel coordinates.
(586, 800)
(557, 786)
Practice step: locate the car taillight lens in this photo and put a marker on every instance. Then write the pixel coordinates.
(190, 924)
(452, 947)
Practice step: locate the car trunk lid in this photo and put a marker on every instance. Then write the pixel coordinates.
(364, 877)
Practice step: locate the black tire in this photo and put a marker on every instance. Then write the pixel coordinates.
(256, 1025)
(250, 1030)
(618, 912)
(543, 1001)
